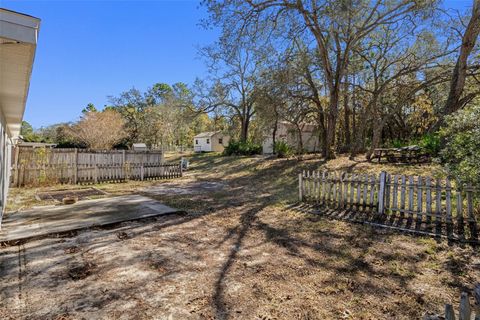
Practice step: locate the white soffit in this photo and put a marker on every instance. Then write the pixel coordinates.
(18, 41)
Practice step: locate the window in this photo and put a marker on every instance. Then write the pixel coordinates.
(220, 140)
(196, 141)
(208, 141)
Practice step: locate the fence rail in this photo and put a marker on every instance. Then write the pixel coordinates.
(421, 204)
(42, 165)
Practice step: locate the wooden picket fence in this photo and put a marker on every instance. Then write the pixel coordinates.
(466, 310)
(39, 166)
(33, 175)
(82, 157)
(411, 203)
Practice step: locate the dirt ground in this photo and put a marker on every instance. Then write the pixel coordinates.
(239, 253)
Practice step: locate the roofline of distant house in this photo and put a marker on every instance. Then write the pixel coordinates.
(204, 134)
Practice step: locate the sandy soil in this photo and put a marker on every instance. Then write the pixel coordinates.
(239, 253)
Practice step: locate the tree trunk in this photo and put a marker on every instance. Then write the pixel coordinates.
(331, 125)
(244, 129)
(376, 139)
(460, 71)
(274, 135)
(346, 116)
(362, 128)
(300, 140)
(354, 113)
(322, 132)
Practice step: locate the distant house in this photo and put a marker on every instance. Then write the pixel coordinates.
(35, 145)
(288, 133)
(18, 42)
(214, 141)
(139, 147)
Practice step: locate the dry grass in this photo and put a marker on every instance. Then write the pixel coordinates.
(240, 253)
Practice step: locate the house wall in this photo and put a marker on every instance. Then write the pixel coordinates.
(286, 132)
(5, 158)
(213, 145)
(202, 145)
(216, 145)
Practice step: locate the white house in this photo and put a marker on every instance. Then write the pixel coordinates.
(18, 42)
(288, 133)
(214, 141)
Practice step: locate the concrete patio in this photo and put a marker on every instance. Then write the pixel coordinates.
(41, 221)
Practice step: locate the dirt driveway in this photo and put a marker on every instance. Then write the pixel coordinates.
(239, 253)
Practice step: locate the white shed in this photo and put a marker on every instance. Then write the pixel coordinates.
(139, 147)
(287, 132)
(214, 141)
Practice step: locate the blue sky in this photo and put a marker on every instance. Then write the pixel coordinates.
(89, 49)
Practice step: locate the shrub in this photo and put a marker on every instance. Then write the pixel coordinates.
(282, 149)
(241, 148)
(431, 143)
(398, 143)
(461, 152)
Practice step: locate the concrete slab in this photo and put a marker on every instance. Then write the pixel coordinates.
(41, 221)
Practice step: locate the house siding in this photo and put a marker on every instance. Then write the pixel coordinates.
(5, 158)
(213, 145)
(287, 133)
(202, 145)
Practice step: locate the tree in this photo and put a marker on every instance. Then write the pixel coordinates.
(89, 108)
(130, 105)
(461, 154)
(455, 101)
(337, 27)
(234, 69)
(99, 130)
(392, 58)
(28, 134)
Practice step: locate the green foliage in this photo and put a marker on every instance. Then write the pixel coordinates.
(397, 143)
(461, 154)
(431, 143)
(283, 149)
(240, 148)
(29, 134)
(89, 108)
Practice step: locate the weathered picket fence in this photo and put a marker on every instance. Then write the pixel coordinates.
(412, 203)
(46, 166)
(83, 157)
(35, 175)
(466, 310)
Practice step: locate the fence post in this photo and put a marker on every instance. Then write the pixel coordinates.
(476, 295)
(449, 312)
(95, 177)
(300, 182)
(75, 167)
(17, 172)
(465, 310)
(381, 192)
(21, 179)
(181, 167)
(142, 172)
